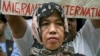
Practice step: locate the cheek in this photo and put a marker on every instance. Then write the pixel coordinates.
(44, 34)
(61, 35)
(62, 38)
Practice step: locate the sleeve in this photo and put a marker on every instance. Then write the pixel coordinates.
(25, 43)
(15, 51)
(91, 35)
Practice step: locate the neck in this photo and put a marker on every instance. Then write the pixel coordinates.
(2, 38)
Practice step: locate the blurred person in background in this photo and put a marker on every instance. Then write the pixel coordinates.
(7, 46)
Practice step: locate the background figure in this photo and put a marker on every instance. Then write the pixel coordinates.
(87, 39)
(8, 46)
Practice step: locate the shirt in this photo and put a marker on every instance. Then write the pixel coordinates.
(15, 51)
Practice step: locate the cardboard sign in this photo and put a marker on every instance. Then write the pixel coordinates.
(72, 8)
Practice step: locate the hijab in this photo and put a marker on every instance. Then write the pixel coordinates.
(38, 49)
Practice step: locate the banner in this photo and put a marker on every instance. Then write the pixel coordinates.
(72, 8)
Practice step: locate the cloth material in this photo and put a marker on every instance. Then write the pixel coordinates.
(15, 51)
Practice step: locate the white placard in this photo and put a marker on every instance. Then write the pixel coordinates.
(72, 8)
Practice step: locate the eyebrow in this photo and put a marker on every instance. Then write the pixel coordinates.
(57, 19)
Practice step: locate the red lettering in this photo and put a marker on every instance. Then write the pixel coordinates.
(28, 9)
(92, 9)
(71, 10)
(13, 7)
(88, 12)
(98, 12)
(77, 9)
(23, 6)
(83, 10)
(6, 7)
(34, 7)
(17, 10)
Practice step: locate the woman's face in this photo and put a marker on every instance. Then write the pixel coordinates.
(52, 29)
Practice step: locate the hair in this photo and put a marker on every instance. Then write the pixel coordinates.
(2, 18)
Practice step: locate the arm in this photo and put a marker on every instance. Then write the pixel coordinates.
(21, 32)
(17, 25)
(96, 23)
(90, 32)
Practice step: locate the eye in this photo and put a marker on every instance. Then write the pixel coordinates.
(59, 23)
(45, 24)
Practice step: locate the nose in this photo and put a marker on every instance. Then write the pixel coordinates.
(52, 29)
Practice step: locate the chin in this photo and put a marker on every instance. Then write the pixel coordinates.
(52, 48)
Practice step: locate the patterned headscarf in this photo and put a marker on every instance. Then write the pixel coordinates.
(45, 10)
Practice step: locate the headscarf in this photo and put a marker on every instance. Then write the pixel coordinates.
(45, 10)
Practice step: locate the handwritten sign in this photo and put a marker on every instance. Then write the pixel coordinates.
(72, 8)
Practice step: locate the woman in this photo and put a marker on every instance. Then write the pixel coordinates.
(50, 30)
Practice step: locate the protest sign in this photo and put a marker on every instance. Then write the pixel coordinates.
(72, 8)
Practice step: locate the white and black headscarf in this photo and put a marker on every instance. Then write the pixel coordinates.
(38, 49)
